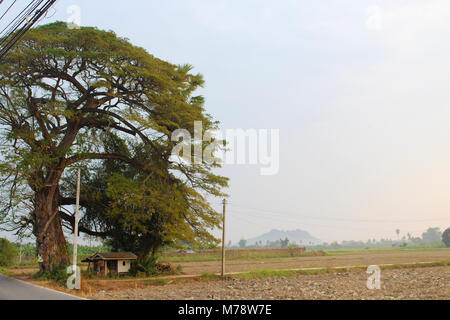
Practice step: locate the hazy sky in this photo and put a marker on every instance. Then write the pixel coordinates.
(359, 91)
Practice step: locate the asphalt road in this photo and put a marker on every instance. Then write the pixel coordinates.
(11, 289)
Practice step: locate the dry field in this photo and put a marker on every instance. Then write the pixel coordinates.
(397, 284)
(317, 279)
(328, 261)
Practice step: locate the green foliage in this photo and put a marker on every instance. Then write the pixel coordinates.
(8, 253)
(5, 271)
(145, 266)
(284, 243)
(85, 251)
(28, 250)
(265, 273)
(92, 99)
(210, 276)
(160, 282)
(446, 237)
(58, 273)
(426, 245)
(432, 235)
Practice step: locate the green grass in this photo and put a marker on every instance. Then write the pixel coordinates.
(269, 273)
(264, 273)
(443, 263)
(250, 256)
(314, 272)
(210, 276)
(330, 252)
(430, 245)
(156, 282)
(28, 263)
(193, 257)
(4, 271)
(337, 252)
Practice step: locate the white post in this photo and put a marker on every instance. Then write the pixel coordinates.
(20, 253)
(75, 236)
(223, 238)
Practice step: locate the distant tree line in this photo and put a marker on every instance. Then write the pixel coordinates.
(433, 237)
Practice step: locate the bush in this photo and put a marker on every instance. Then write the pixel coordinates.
(8, 253)
(146, 266)
(446, 237)
(58, 274)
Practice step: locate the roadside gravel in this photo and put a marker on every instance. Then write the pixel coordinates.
(397, 284)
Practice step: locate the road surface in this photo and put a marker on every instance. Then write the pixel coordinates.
(11, 289)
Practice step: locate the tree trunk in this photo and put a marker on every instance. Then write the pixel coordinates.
(50, 241)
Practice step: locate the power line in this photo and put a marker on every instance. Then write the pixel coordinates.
(23, 22)
(255, 220)
(15, 21)
(279, 214)
(7, 10)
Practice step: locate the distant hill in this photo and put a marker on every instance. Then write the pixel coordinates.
(298, 236)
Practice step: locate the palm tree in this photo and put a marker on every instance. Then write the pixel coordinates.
(398, 233)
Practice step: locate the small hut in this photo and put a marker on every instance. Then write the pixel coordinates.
(104, 263)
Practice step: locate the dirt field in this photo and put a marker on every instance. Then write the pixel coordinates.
(405, 283)
(421, 283)
(369, 258)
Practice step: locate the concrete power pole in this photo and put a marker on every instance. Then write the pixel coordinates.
(223, 237)
(75, 236)
(20, 248)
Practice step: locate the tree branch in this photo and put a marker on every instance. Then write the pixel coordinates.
(103, 156)
(70, 219)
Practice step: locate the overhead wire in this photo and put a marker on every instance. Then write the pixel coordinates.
(254, 219)
(7, 10)
(24, 21)
(16, 20)
(284, 213)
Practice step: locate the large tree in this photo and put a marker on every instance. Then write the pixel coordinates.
(140, 211)
(65, 95)
(432, 235)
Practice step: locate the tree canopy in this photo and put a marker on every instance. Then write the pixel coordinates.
(89, 98)
(8, 253)
(432, 235)
(446, 237)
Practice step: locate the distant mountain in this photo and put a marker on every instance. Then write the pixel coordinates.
(298, 236)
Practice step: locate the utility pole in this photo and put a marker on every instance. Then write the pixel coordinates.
(223, 237)
(75, 236)
(20, 248)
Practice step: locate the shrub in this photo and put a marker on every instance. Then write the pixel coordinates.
(58, 274)
(147, 266)
(8, 253)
